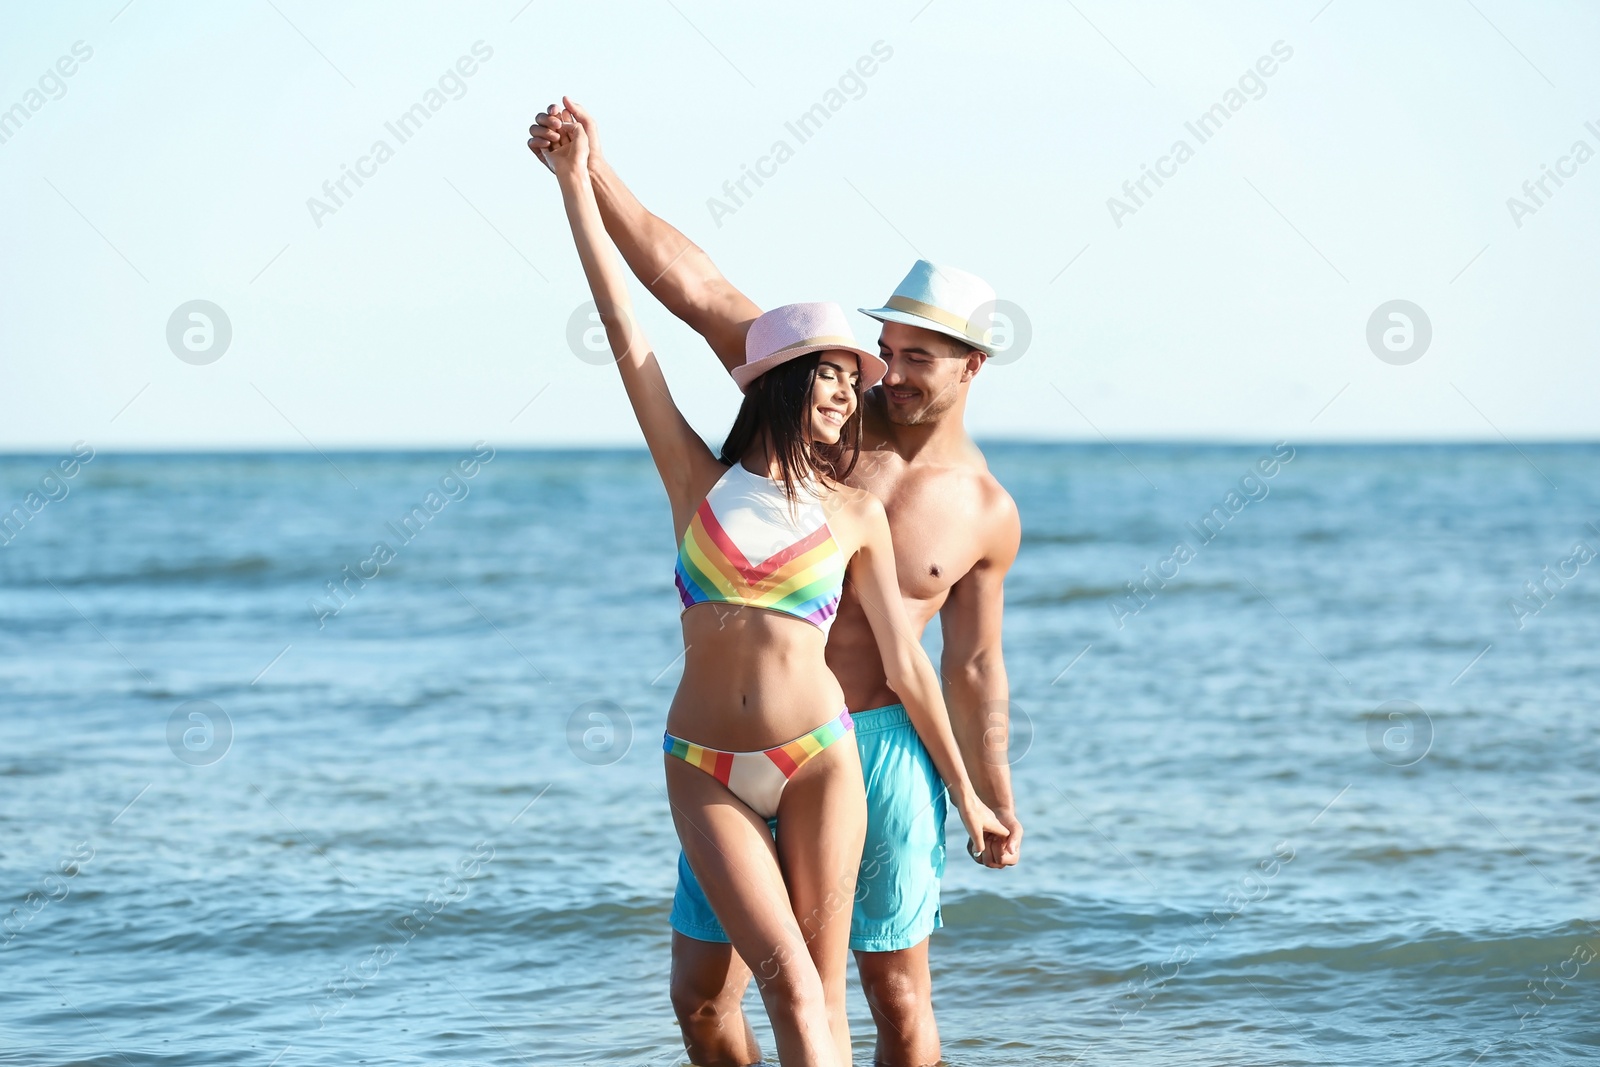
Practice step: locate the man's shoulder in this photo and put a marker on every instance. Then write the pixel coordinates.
(1002, 524)
(993, 513)
(975, 465)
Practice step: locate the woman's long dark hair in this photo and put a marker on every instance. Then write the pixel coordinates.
(778, 405)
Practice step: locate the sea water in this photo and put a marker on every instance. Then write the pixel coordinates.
(355, 759)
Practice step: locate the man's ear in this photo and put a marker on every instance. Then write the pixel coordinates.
(976, 358)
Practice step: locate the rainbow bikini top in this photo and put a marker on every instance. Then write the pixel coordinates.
(747, 545)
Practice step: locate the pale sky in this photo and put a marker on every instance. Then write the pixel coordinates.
(1374, 163)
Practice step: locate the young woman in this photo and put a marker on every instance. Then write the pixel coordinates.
(767, 537)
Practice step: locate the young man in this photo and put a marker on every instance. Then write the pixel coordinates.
(955, 533)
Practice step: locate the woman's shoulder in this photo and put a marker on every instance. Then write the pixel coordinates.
(849, 496)
(697, 484)
(851, 505)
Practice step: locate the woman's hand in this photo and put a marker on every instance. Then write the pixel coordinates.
(545, 132)
(568, 152)
(1004, 851)
(983, 827)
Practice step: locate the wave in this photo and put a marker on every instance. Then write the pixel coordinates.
(1345, 947)
(251, 568)
(1486, 952)
(1073, 593)
(1083, 537)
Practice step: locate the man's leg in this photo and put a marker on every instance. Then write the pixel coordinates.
(709, 979)
(897, 897)
(708, 984)
(899, 991)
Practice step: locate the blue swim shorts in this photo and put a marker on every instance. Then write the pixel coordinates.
(897, 890)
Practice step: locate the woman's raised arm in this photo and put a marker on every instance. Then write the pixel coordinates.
(681, 457)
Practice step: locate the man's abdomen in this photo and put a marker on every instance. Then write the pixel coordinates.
(853, 655)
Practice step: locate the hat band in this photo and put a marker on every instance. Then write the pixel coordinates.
(827, 340)
(930, 312)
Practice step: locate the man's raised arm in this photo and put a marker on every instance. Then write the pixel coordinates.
(675, 270)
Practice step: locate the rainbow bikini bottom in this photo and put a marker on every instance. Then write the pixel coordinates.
(758, 778)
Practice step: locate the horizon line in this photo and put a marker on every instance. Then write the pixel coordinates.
(639, 449)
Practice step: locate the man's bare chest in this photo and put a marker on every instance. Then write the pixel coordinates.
(933, 521)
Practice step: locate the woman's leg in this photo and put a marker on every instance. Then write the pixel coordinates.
(822, 821)
(733, 856)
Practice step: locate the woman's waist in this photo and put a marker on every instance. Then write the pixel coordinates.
(741, 707)
(751, 679)
(751, 727)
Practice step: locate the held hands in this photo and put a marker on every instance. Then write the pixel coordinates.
(1003, 851)
(560, 125)
(568, 155)
(984, 828)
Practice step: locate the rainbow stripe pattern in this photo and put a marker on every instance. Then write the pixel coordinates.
(758, 778)
(803, 579)
(792, 756)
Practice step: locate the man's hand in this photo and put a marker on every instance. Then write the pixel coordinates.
(981, 823)
(1003, 851)
(568, 157)
(545, 133)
